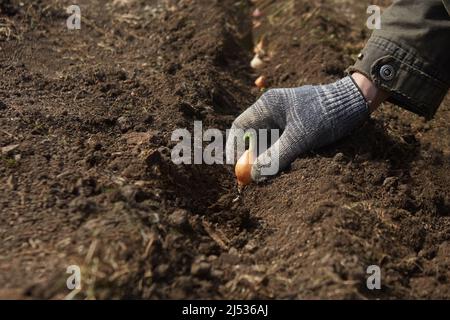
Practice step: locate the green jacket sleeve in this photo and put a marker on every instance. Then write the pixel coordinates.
(410, 55)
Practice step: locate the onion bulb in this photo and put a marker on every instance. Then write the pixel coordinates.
(259, 48)
(243, 168)
(257, 13)
(256, 62)
(261, 82)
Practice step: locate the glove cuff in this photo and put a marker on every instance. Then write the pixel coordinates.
(344, 105)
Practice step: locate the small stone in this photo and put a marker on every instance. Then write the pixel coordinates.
(179, 218)
(339, 157)
(124, 123)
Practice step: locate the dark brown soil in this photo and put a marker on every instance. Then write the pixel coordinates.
(91, 182)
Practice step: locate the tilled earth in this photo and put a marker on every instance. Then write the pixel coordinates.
(86, 118)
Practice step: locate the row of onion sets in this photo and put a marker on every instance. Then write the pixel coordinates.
(244, 164)
(260, 54)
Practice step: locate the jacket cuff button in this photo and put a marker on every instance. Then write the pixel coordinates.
(387, 72)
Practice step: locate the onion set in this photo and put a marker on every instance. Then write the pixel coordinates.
(243, 168)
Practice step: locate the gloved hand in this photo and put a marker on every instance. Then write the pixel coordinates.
(309, 117)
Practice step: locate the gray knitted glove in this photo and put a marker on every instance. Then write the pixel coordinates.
(309, 117)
